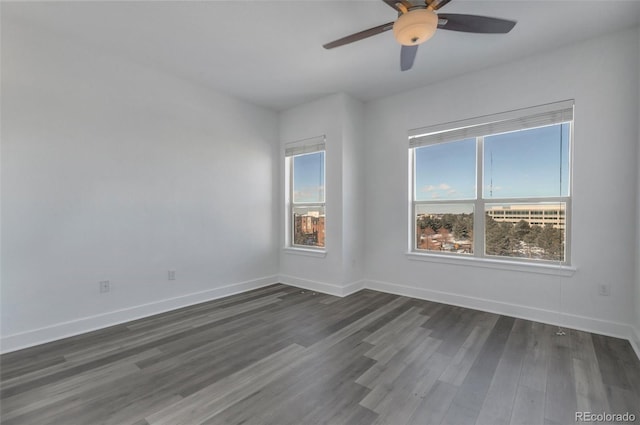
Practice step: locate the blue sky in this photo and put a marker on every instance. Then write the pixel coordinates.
(308, 177)
(527, 163)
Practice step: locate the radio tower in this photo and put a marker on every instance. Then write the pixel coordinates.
(491, 176)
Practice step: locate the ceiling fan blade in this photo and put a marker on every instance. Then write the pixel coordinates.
(393, 3)
(359, 35)
(474, 23)
(407, 56)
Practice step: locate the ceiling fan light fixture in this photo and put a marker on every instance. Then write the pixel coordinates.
(415, 27)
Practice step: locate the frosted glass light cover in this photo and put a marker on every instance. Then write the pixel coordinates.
(415, 27)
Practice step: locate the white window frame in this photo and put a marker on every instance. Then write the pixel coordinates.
(292, 150)
(479, 128)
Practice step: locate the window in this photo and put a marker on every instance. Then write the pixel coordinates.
(305, 164)
(494, 187)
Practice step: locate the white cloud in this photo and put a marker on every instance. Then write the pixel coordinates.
(441, 186)
(309, 194)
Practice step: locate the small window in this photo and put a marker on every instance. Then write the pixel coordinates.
(495, 186)
(305, 162)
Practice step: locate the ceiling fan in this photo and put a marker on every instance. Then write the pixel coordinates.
(417, 22)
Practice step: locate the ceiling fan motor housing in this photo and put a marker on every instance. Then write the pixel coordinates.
(415, 27)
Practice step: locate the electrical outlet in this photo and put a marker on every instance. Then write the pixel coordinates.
(604, 289)
(171, 274)
(104, 286)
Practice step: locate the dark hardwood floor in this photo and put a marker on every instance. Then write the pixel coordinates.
(282, 355)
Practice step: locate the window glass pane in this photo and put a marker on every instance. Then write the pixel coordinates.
(528, 163)
(444, 227)
(446, 171)
(308, 177)
(532, 231)
(308, 226)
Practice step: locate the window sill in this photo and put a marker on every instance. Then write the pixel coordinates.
(305, 251)
(490, 263)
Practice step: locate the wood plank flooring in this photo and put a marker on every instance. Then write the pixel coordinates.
(283, 355)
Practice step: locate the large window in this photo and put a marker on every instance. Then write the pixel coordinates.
(305, 163)
(494, 187)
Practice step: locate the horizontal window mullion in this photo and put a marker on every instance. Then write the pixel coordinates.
(308, 204)
(446, 201)
(483, 201)
(546, 200)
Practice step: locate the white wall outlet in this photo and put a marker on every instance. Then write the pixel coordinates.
(604, 289)
(171, 275)
(104, 286)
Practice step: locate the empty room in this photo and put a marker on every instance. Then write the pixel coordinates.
(320, 212)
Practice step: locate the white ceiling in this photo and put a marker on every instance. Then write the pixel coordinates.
(269, 52)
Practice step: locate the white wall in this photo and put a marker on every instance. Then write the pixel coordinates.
(114, 171)
(339, 118)
(637, 298)
(353, 175)
(602, 76)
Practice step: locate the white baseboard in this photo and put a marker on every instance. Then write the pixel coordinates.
(325, 288)
(635, 340)
(352, 288)
(588, 324)
(87, 324)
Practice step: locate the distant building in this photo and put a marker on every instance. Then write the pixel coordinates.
(535, 215)
(309, 229)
